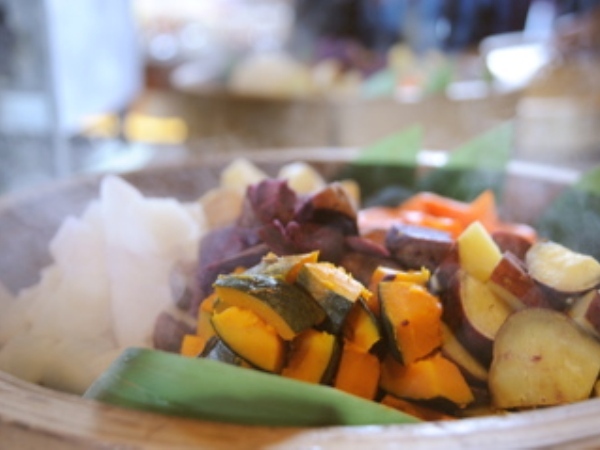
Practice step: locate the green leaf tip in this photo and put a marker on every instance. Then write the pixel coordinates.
(400, 148)
(490, 150)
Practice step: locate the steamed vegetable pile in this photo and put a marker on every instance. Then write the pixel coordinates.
(434, 307)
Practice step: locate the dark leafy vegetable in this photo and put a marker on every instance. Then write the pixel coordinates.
(214, 391)
(573, 219)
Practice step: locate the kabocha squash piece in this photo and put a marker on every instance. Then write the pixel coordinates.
(251, 338)
(285, 306)
(286, 267)
(203, 327)
(420, 411)
(542, 358)
(362, 327)
(358, 372)
(192, 345)
(333, 288)
(420, 277)
(434, 377)
(313, 357)
(217, 350)
(383, 273)
(411, 319)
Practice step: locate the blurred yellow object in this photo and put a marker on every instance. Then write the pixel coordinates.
(157, 130)
(138, 127)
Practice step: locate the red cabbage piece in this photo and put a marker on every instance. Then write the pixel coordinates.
(267, 201)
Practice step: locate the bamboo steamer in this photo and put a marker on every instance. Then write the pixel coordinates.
(33, 417)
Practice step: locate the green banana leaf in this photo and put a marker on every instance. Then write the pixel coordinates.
(475, 166)
(573, 218)
(168, 383)
(386, 170)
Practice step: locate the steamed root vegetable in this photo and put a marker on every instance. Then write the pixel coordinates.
(192, 345)
(477, 252)
(542, 358)
(335, 290)
(288, 308)
(313, 357)
(411, 319)
(563, 272)
(474, 314)
(511, 281)
(434, 377)
(473, 370)
(586, 312)
(361, 327)
(358, 372)
(250, 337)
(416, 246)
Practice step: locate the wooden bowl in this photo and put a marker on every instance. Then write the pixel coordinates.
(32, 416)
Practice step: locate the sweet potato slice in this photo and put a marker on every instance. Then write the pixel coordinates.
(586, 312)
(542, 358)
(477, 251)
(474, 313)
(561, 269)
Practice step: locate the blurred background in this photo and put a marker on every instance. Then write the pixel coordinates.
(116, 85)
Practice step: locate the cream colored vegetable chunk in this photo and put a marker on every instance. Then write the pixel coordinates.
(542, 358)
(478, 253)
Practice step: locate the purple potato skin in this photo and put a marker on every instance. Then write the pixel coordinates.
(169, 332)
(415, 247)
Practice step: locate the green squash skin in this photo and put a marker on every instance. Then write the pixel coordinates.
(389, 330)
(295, 306)
(334, 363)
(372, 320)
(217, 350)
(335, 305)
(279, 266)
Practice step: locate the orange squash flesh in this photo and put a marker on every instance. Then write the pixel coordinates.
(192, 345)
(203, 327)
(361, 327)
(422, 412)
(420, 277)
(358, 372)
(381, 273)
(284, 306)
(412, 318)
(311, 355)
(426, 379)
(251, 338)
